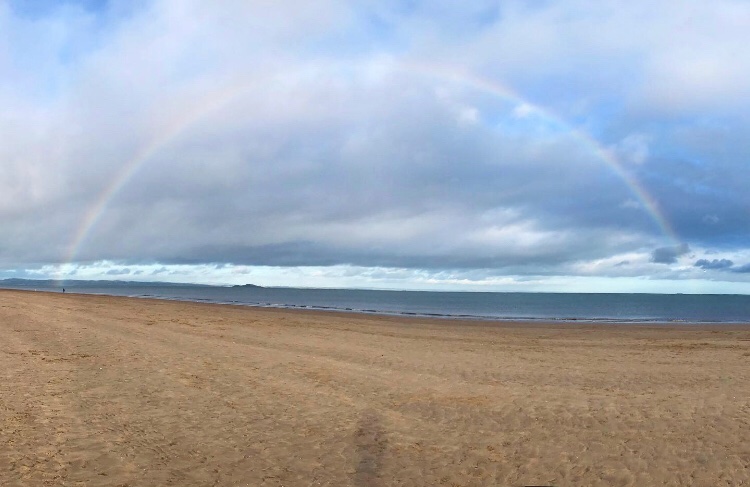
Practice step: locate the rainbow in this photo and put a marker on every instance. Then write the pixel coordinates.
(178, 126)
(599, 151)
(215, 101)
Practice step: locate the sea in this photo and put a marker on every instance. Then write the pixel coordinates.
(564, 307)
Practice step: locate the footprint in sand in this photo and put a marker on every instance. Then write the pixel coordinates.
(370, 443)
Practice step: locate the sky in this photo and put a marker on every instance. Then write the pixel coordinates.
(572, 146)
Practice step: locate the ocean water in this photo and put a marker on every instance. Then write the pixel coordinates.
(636, 308)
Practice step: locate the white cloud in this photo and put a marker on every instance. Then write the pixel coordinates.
(524, 110)
(633, 149)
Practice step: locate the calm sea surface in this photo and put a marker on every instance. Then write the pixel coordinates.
(510, 306)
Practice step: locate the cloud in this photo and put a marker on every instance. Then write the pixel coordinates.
(633, 149)
(428, 136)
(744, 269)
(117, 272)
(714, 264)
(669, 255)
(711, 219)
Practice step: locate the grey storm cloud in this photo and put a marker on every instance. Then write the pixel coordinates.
(669, 255)
(410, 135)
(714, 263)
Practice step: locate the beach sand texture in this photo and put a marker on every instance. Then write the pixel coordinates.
(116, 391)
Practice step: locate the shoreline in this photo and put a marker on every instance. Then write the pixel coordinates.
(466, 319)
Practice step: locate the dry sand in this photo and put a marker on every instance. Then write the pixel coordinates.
(116, 391)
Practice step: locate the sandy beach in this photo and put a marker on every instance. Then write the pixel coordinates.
(130, 392)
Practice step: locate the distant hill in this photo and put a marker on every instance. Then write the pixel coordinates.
(248, 286)
(74, 283)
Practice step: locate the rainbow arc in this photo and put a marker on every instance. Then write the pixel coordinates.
(220, 99)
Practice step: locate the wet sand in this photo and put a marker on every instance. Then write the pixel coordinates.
(118, 391)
